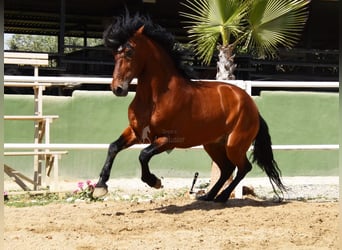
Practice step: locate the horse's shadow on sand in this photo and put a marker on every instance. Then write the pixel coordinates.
(207, 206)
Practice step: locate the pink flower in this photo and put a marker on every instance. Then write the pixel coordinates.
(88, 182)
(80, 185)
(5, 193)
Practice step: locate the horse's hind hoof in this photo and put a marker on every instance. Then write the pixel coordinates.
(220, 200)
(203, 198)
(99, 192)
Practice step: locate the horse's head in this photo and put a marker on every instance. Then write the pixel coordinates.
(139, 46)
(127, 65)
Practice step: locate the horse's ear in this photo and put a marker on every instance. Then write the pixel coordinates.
(140, 30)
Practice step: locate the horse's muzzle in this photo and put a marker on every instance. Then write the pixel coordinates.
(120, 91)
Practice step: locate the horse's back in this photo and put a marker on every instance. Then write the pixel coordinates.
(229, 88)
(229, 97)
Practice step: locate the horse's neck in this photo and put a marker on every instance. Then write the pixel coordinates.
(157, 76)
(150, 88)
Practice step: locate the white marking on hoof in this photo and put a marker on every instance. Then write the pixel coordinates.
(100, 191)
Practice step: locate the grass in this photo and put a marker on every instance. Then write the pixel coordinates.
(29, 200)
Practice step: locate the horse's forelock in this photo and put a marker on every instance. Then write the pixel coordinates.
(113, 37)
(122, 29)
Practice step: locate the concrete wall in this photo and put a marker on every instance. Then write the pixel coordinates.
(99, 117)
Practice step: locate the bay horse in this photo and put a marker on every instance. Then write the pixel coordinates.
(171, 111)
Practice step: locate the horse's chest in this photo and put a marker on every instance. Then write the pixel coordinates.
(146, 122)
(139, 117)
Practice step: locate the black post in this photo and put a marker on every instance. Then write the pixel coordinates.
(61, 34)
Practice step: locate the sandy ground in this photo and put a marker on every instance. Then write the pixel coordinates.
(178, 223)
(175, 223)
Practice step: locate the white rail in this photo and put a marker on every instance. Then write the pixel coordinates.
(65, 80)
(291, 84)
(22, 81)
(279, 84)
(79, 146)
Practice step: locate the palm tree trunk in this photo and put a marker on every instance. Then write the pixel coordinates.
(225, 71)
(225, 64)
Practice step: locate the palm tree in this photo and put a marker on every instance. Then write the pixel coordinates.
(257, 26)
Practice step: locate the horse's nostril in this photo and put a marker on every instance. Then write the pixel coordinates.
(118, 90)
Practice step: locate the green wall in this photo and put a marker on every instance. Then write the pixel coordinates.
(302, 118)
(100, 117)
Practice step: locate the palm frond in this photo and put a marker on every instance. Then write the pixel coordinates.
(264, 25)
(210, 20)
(273, 23)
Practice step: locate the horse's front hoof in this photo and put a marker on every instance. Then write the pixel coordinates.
(99, 192)
(152, 181)
(158, 184)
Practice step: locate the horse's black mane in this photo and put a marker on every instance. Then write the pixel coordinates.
(123, 27)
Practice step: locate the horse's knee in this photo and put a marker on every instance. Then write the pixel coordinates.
(113, 148)
(145, 155)
(118, 145)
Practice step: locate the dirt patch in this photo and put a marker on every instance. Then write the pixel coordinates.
(177, 223)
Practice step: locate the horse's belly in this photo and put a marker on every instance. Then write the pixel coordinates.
(198, 136)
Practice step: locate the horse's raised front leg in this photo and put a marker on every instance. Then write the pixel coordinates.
(158, 146)
(126, 140)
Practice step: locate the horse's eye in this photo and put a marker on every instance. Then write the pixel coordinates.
(129, 53)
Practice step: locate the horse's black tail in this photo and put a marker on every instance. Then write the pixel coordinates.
(263, 156)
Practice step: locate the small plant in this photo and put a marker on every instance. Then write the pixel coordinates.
(84, 192)
(5, 196)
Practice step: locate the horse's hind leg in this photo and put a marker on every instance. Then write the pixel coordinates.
(241, 173)
(217, 152)
(236, 148)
